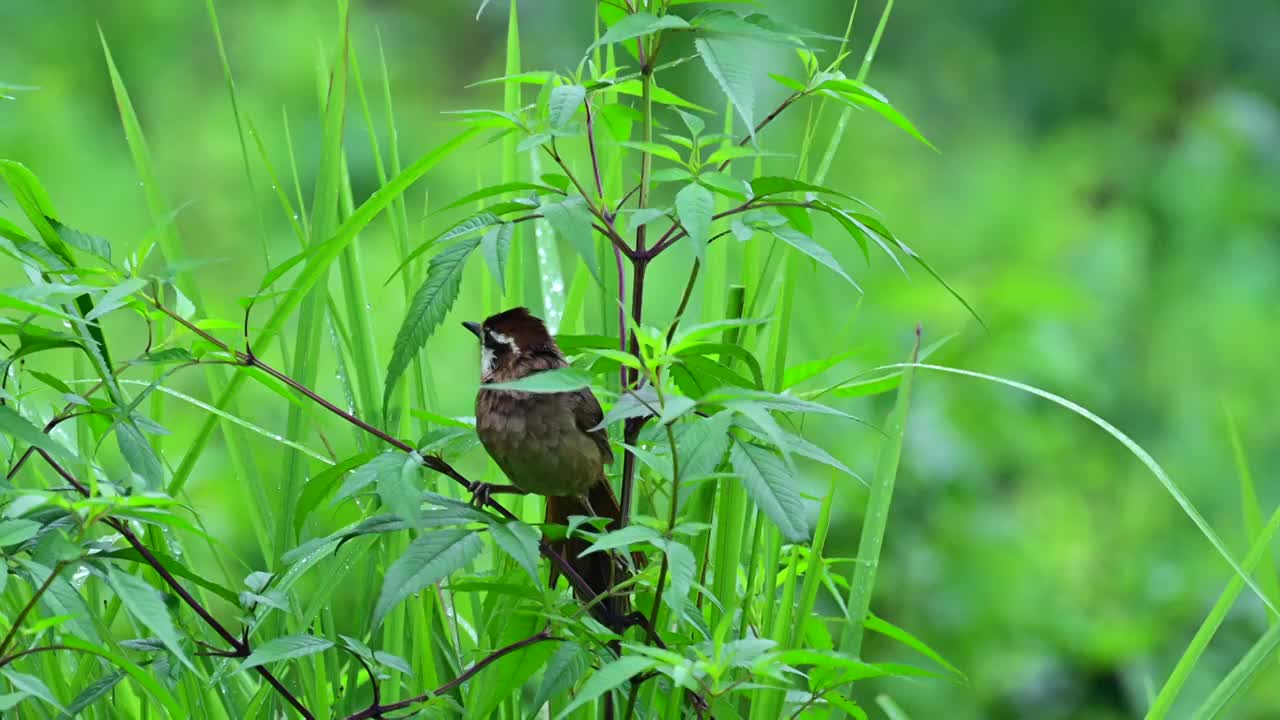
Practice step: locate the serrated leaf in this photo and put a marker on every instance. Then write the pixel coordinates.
(772, 488)
(694, 206)
(466, 227)
(607, 678)
(286, 648)
(731, 66)
(91, 244)
(139, 454)
(427, 310)
(520, 541)
(806, 245)
(563, 670)
(564, 103)
(427, 560)
(634, 403)
(702, 444)
(146, 604)
(496, 246)
(548, 381)
(638, 25)
(571, 221)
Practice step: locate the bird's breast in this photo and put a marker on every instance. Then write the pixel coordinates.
(535, 439)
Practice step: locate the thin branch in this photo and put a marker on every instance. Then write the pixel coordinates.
(591, 144)
(431, 461)
(676, 232)
(26, 609)
(33, 651)
(376, 709)
(240, 645)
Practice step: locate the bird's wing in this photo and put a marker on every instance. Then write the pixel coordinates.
(587, 414)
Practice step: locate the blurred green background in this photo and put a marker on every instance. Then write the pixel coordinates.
(1106, 196)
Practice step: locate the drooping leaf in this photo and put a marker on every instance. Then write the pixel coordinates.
(116, 297)
(772, 488)
(607, 678)
(772, 185)
(730, 64)
(694, 206)
(389, 462)
(571, 221)
(139, 454)
(91, 244)
(429, 558)
(563, 670)
(473, 224)
(146, 604)
(627, 536)
(804, 244)
(31, 685)
(427, 310)
(680, 571)
(702, 444)
(94, 691)
(11, 423)
(496, 246)
(13, 532)
(285, 648)
(520, 541)
(493, 190)
(564, 103)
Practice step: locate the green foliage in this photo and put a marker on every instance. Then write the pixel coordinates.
(321, 566)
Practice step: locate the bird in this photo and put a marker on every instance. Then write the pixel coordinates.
(548, 444)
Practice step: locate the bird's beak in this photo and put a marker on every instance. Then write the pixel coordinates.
(474, 327)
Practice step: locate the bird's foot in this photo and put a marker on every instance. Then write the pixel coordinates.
(482, 492)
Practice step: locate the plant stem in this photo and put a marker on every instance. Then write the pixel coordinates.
(376, 710)
(241, 647)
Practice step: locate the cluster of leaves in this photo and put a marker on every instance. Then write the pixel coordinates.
(712, 442)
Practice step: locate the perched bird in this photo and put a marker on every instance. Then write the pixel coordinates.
(545, 442)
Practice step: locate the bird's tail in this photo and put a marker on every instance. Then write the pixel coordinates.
(601, 570)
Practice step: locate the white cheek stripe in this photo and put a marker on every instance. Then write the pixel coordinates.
(488, 357)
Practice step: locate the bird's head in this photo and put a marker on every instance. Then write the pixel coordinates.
(507, 339)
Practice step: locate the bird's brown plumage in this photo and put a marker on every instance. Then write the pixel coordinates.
(544, 442)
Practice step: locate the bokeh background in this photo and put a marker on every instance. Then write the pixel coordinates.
(1107, 196)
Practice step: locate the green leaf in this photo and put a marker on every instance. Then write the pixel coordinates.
(139, 454)
(665, 152)
(772, 488)
(884, 109)
(638, 25)
(427, 560)
(174, 567)
(724, 183)
(694, 206)
(13, 532)
(548, 381)
(888, 629)
(773, 185)
(470, 225)
(627, 536)
(607, 678)
(564, 104)
(399, 491)
(32, 685)
(94, 691)
(730, 64)
(563, 670)
(804, 244)
(495, 245)
(11, 423)
(144, 679)
(427, 310)
(571, 221)
(756, 26)
(520, 541)
(702, 444)
(387, 463)
(116, 297)
(286, 648)
(680, 571)
(695, 124)
(146, 604)
(82, 241)
(501, 189)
